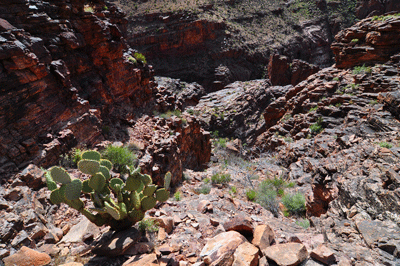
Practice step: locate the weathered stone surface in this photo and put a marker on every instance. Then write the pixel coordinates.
(118, 243)
(148, 259)
(368, 41)
(282, 71)
(290, 254)
(323, 254)
(77, 232)
(52, 84)
(27, 257)
(246, 255)
(240, 224)
(220, 249)
(263, 236)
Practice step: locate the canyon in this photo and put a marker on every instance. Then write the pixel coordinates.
(71, 77)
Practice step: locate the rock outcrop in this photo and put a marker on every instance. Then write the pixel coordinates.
(63, 70)
(370, 41)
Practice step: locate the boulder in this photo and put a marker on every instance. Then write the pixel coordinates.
(289, 254)
(220, 249)
(27, 257)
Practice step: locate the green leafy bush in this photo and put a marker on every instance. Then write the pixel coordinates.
(305, 223)
(317, 127)
(120, 157)
(117, 203)
(385, 144)
(177, 196)
(362, 70)
(220, 178)
(148, 225)
(267, 197)
(294, 203)
(251, 195)
(140, 57)
(204, 189)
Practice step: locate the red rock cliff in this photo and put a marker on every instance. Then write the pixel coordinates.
(63, 68)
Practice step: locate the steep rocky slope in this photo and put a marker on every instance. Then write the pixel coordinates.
(63, 70)
(214, 42)
(334, 135)
(68, 77)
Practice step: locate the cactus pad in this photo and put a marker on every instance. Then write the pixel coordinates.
(116, 184)
(146, 179)
(149, 190)
(97, 182)
(133, 183)
(136, 215)
(90, 167)
(106, 163)
(51, 185)
(73, 189)
(98, 210)
(136, 200)
(112, 211)
(148, 203)
(91, 155)
(59, 175)
(122, 210)
(76, 204)
(135, 172)
(56, 197)
(167, 180)
(162, 194)
(85, 187)
(105, 171)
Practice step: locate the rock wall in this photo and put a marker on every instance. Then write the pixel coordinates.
(370, 41)
(63, 69)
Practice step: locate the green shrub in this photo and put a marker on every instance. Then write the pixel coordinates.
(132, 60)
(267, 197)
(206, 180)
(317, 127)
(295, 204)
(251, 195)
(140, 57)
(148, 225)
(313, 109)
(354, 40)
(177, 196)
(305, 223)
(204, 189)
(362, 70)
(220, 178)
(120, 157)
(233, 190)
(384, 144)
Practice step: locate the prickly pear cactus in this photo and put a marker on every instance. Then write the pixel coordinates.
(116, 203)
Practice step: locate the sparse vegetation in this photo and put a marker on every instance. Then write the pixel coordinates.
(251, 195)
(317, 126)
(121, 157)
(220, 178)
(294, 203)
(140, 57)
(385, 144)
(148, 225)
(305, 223)
(373, 102)
(204, 189)
(177, 196)
(362, 70)
(312, 109)
(88, 9)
